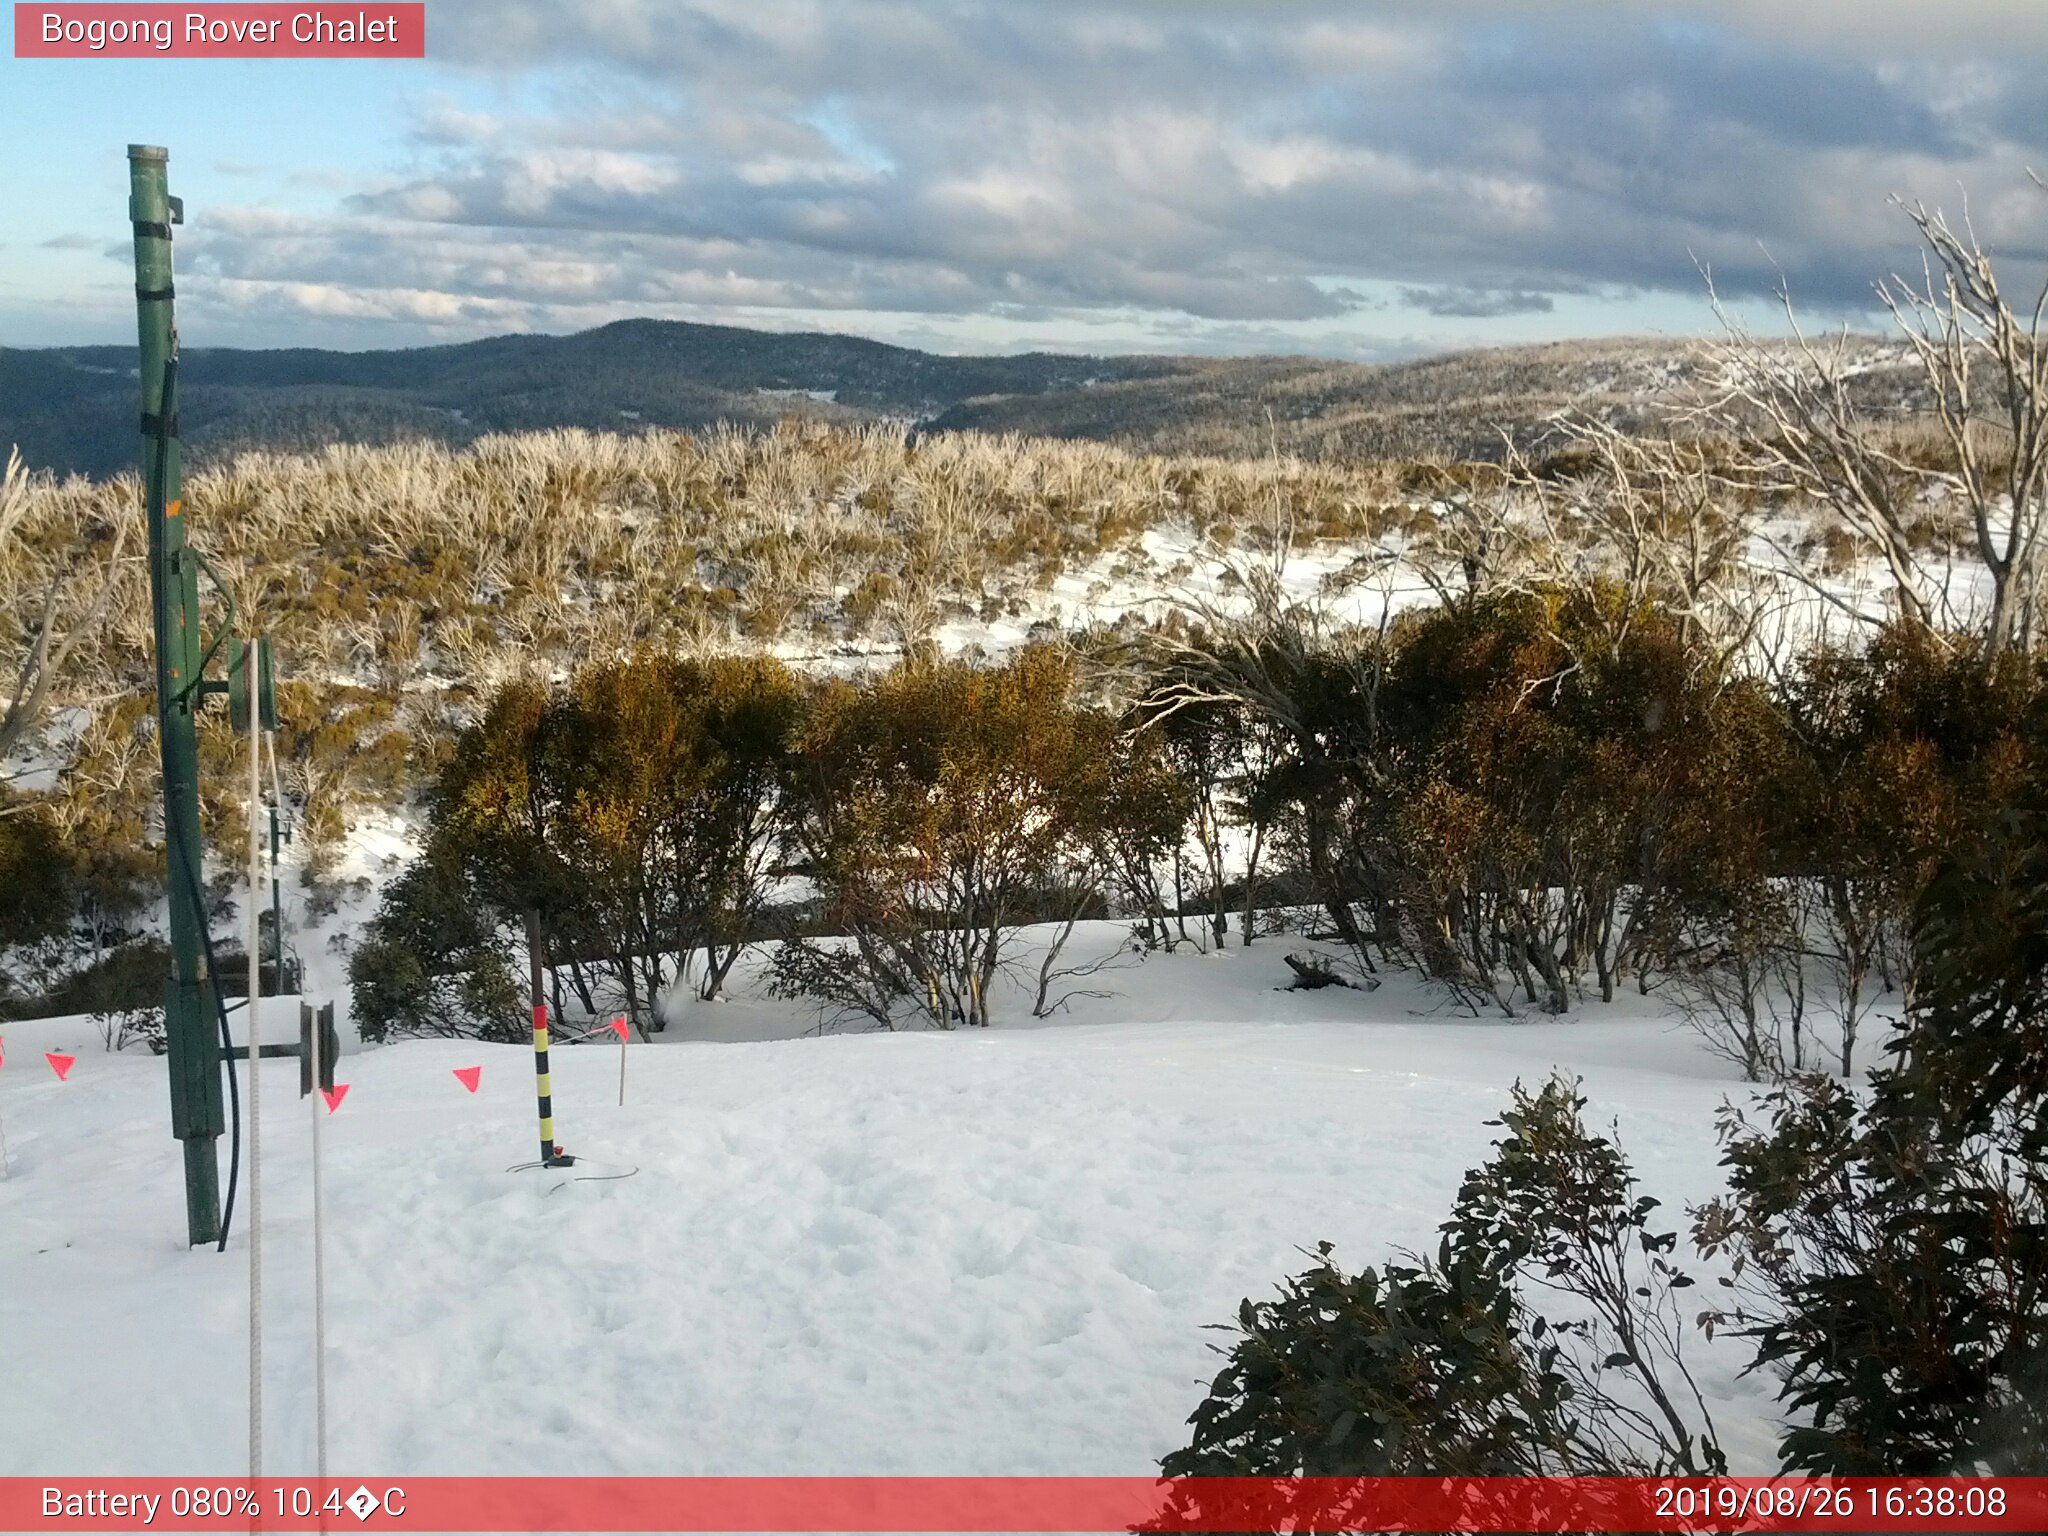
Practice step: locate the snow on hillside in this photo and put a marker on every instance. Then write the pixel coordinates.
(983, 1252)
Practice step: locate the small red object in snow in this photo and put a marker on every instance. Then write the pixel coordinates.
(467, 1076)
(334, 1096)
(619, 1028)
(61, 1065)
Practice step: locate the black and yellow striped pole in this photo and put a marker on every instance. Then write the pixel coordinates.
(551, 1156)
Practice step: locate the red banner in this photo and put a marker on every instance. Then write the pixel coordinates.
(114, 31)
(1020, 1504)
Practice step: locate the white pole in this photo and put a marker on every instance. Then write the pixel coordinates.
(255, 1076)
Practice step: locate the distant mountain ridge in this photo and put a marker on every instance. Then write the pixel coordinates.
(72, 409)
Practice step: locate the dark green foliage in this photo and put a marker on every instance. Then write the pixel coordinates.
(1892, 1255)
(122, 1027)
(490, 808)
(434, 961)
(1528, 795)
(1488, 790)
(1408, 1369)
(38, 890)
(126, 978)
(1557, 1207)
(1214, 756)
(1443, 1367)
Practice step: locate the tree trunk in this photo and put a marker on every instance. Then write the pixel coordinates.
(536, 992)
(717, 967)
(581, 982)
(1251, 888)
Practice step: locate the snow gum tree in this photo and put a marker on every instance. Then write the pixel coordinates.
(1983, 360)
(434, 962)
(62, 573)
(940, 808)
(670, 785)
(626, 825)
(1205, 745)
(490, 816)
(37, 891)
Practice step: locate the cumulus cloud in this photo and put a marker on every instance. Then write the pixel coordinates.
(1230, 165)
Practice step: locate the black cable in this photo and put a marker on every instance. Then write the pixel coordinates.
(166, 412)
(227, 1046)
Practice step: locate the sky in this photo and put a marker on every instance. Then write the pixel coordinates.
(1350, 180)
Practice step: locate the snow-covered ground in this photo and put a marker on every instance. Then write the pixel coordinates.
(984, 1252)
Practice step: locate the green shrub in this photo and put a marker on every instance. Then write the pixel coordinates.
(432, 962)
(128, 977)
(38, 891)
(1891, 1254)
(1444, 1366)
(936, 807)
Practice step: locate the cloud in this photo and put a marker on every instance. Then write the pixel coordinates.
(1228, 164)
(1480, 303)
(72, 242)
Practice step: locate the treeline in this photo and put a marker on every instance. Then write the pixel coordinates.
(83, 865)
(1538, 796)
(1882, 1246)
(1532, 798)
(636, 826)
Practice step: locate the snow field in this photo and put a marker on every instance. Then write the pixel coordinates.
(974, 1253)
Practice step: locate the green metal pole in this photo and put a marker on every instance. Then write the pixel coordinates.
(189, 1018)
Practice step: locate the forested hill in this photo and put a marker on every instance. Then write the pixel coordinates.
(74, 408)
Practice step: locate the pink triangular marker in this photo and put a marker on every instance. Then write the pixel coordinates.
(334, 1096)
(61, 1065)
(467, 1076)
(618, 1027)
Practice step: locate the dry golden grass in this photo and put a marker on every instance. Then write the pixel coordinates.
(414, 564)
(423, 575)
